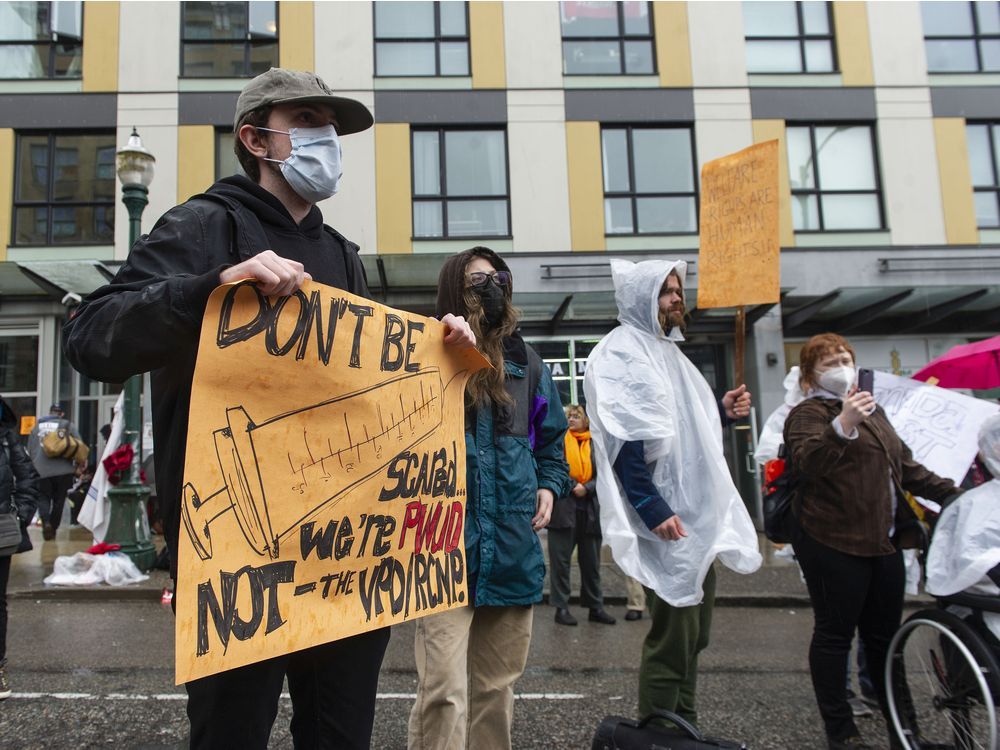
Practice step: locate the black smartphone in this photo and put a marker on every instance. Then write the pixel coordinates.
(866, 380)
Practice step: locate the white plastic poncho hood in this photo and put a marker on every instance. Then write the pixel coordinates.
(640, 386)
(966, 543)
(772, 436)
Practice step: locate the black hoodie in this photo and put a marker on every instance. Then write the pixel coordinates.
(148, 319)
(18, 478)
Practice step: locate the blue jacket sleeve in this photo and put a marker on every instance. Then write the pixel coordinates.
(631, 470)
(549, 425)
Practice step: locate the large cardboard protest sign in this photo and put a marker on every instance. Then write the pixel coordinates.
(324, 484)
(739, 249)
(940, 426)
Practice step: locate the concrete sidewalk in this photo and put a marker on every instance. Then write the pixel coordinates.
(776, 584)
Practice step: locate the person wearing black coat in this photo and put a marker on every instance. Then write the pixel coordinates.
(576, 522)
(18, 493)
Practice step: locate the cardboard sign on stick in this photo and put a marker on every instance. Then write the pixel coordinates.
(739, 254)
(324, 483)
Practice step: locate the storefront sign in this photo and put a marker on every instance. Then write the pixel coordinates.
(324, 489)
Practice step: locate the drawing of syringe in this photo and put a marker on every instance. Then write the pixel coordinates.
(281, 472)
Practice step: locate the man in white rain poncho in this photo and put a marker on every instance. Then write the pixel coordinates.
(965, 550)
(668, 503)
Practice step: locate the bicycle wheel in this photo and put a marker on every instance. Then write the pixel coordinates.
(942, 683)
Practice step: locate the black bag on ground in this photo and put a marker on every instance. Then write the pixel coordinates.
(618, 733)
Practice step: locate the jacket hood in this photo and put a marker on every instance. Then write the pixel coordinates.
(637, 293)
(266, 206)
(989, 444)
(7, 416)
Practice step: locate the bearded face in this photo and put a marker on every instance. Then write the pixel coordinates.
(672, 303)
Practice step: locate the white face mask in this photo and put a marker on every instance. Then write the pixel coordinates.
(837, 380)
(313, 169)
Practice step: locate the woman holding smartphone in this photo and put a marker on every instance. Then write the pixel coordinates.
(852, 515)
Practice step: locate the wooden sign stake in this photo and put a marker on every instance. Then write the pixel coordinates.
(741, 339)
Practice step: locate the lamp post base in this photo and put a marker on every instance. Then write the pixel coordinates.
(129, 526)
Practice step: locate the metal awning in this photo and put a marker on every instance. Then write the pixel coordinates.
(52, 278)
(881, 311)
(557, 294)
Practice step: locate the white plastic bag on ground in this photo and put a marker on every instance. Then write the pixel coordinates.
(81, 569)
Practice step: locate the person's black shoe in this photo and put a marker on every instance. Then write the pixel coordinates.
(563, 617)
(48, 533)
(633, 614)
(599, 615)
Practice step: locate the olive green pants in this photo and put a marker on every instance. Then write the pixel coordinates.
(668, 673)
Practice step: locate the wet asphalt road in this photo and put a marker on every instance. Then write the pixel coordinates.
(97, 674)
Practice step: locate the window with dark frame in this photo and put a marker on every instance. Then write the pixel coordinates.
(789, 37)
(41, 40)
(834, 177)
(962, 37)
(421, 38)
(226, 163)
(650, 184)
(983, 140)
(460, 183)
(64, 191)
(228, 39)
(607, 38)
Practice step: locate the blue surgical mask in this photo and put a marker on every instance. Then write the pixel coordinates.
(313, 169)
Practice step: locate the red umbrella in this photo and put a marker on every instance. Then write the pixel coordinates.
(967, 366)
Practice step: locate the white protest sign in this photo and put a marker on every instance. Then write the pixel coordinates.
(941, 427)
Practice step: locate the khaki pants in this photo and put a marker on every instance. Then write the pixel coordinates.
(636, 596)
(468, 660)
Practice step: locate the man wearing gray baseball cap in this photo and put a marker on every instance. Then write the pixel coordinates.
(265, 226)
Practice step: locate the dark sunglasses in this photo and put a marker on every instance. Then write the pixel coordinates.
(479, 278)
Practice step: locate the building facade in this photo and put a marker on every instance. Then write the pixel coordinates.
(558, 133)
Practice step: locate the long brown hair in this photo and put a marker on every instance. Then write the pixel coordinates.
(456, 297)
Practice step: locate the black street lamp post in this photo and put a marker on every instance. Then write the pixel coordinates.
(128, 524)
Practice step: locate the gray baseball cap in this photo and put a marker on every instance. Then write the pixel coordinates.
(280, 86)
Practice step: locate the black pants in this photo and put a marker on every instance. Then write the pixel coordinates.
(51, 498)
(332, 688)
(4, 576)
(588, 554)
(849, 592)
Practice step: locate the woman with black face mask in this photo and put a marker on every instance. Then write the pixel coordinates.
(469, 659)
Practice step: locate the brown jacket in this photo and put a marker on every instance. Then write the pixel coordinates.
(844, 499)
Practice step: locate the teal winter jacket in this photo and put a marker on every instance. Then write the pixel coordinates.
(511, 453)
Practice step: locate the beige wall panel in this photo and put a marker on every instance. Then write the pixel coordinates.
(352, 210)
(956, 181)
(155, 117)
(718, 46)
(673, 44)
(897, 43)
(586, 185)
(345, 54)
(910, 180)
(854, 49)
(533, 45)
(722, 122)
(393, 194)
(100, 46)
(297, 36)
(766, 130)
(149, 44)
(195, 160)
(486, 39)
(536, 144)
(6, 188)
